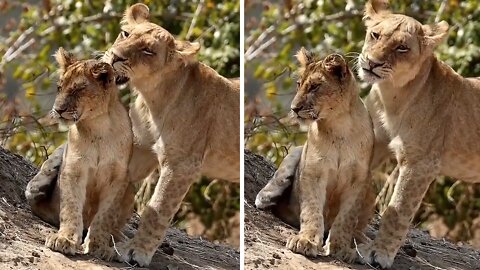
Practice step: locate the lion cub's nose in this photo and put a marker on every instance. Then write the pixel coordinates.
(374, 64)
(117, 58)
(60, 110)
(296, 109)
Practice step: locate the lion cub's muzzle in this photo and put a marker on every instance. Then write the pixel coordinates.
(64, 115)
(301, 112)
(120, 79)
(117, 63)
(370, 68)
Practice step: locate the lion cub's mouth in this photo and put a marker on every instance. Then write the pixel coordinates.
(370, 72)
(121, 80)
(304, 116)
(68, 118)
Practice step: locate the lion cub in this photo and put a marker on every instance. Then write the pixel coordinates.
(92, 184)
(329, 174)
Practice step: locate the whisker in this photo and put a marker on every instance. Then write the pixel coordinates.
(352, 55)
(355, 53)
(353, 61)
(98, 55)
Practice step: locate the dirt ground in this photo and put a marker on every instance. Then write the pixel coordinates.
(22, 235)
(266, 235)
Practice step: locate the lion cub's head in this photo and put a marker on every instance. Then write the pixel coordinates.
(144, 49)
(84, 88)
(324, 88)
(395, 45)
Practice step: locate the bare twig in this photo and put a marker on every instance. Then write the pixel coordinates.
(194, 18)
(440, 11)
(360, 255)
(118, 253)
(258, 46)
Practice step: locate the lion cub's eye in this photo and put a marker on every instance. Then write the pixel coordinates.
(313, 87)
(375, 35)
(402, 49)
(298, 84)
(78, 88)
(59, 88)
(125, 34)
(147, 52)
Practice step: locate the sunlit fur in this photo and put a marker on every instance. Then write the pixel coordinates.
(92, 191)
(84, 89)
(147, 49)
(324, 185)
(185, 120)
(323, 87)
(425, 112)
(397, 43)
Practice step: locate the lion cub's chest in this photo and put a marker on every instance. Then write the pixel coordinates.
(334, 159)
(330, 162)
(99, 153)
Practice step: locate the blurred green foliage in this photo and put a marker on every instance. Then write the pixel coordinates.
(276, 30)
(35, 29)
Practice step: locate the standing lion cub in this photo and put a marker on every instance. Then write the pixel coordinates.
(430, 116)
(92, 190)
(330, 172)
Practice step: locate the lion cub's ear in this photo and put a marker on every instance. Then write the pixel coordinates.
(336, 66)
(137, 13)
(64, 59)
(435, 33)
(375, 7)
(187, 50)
(305, 57)
(102, 72)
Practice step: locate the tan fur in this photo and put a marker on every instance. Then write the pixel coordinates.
(429, 112)
(185, 121)
(330, 176)
(92, 190)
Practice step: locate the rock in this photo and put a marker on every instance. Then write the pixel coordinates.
(265, 233)
(22, 237)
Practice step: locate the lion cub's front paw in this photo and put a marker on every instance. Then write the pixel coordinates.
(99, 249)
(370, 254)
(59, 242)
(304, 245)
(340, 252)
(134, 255)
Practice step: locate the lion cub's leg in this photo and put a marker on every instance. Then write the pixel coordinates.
(42, 191)
(146, 190)
(344, 227)
(176, 177)
(73, 181)
(413, 183)
(125, 209)
(365, 215)
(311, 195)
(381, 151)
(281, 180)
(100, 233)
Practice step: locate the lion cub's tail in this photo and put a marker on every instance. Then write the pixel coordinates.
(41, 192)
(281, 180)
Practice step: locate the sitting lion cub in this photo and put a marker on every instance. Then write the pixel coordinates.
(92, 181)
(330, 172)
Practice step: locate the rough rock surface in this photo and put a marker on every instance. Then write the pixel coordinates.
(265, 237)
(22, 235)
